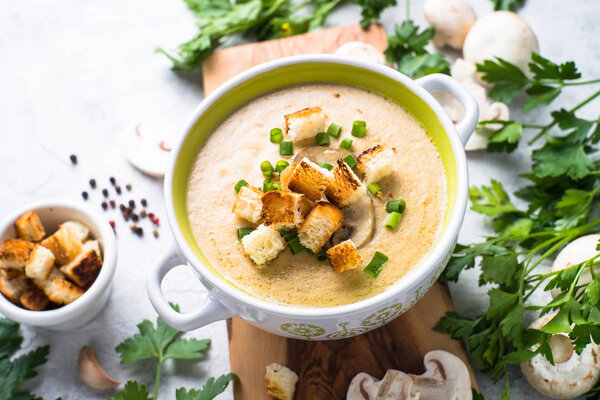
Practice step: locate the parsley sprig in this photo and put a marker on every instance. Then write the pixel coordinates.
(563, 190)
(161, 343)
(20, 369)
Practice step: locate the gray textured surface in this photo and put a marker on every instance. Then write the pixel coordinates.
(73, 74)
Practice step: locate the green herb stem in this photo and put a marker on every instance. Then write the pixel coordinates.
(157, 377)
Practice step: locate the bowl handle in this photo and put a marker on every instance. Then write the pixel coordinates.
(212, 310)
(445, 83)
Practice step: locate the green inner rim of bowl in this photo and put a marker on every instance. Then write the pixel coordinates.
(296, 74)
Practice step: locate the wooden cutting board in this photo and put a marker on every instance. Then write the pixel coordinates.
(326, 368)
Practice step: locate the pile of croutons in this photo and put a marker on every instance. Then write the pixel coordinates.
(310, 199)
(39, 272)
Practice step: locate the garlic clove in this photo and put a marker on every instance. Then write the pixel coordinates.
(92, 373)
(147, 148)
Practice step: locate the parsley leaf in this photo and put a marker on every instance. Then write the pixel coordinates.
(490, 200)
(20, 369)
(506, 138)
(372, 9)
(211, 389)
(406, 50)
(559, 157)
(133, 392)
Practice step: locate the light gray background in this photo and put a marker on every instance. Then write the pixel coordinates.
(74, 73)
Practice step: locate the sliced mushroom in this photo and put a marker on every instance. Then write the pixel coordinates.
(576, 252)
(358, 223)
(92, 373)
(446, 377)
(320, 154)
(147, 148)
(572, 374)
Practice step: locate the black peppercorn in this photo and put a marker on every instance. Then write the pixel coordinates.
(104, 205)
(84, 195)
(73, 159)
(112, 180)
(93, 183)
(105, 192)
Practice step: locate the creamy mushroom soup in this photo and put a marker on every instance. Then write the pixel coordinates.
(241, 142)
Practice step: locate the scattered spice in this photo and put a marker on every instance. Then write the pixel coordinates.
(144, 202)
(118, 189)
(84, 195)
(93, 183)
(105, 192)
(112, 224)
(153, 218)
(113, 204)
(122, 207)
(143, 213)
(128, 186)
(73, 159)
(104, 205)
(155, 233)
(139, 231)
(112, 180)
(131, 203)
(132, 227)
(125, 216)
(134, 217)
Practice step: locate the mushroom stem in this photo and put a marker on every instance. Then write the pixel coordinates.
(562, 348)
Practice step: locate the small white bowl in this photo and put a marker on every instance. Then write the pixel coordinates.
(52, 213)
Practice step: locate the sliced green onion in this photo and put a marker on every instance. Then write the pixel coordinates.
(266, 168)
(238, 186)
(295, 245)
(374, 188)
(290, 236)
(267, 185)
(334, 130)
(346, 144)
(286, 148)
(349, 159)
(243, 232)
(275, 187)
(393, 220)
(281, 165)
(283, 232)
(359, 128)
(322, 139)
(321, 255)
(276, 135)
(374, 267)
(327, 166)
(395, 205)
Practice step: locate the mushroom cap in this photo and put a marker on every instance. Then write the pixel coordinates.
(147, 147)
(451, 19)
(361, 50)
(571, 378)
(500, 34)
(579, 250)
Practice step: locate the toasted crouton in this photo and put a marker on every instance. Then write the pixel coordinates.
(64, 244)
(285, 175)
(247, 203)
(284, 210)
(13, 289)
(263, 244)
(54, 274)
(376, 163)
(345, 187)
(309, 179)
(34, 299)
(29, 227)
(281, 381)
(319, 225)
(40, 263)
(13, 273)
(60, 291)
(14, 253)
(344, 256)
(305, 123)
(81, 231)
(84, 269)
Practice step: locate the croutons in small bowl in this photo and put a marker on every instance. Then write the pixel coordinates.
(57, 261)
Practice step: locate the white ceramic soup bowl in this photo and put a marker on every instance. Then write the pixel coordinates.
(310, 323)
(52, 213)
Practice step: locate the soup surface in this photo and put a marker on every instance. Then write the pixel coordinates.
(240, 143)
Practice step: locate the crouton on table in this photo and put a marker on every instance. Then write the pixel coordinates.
(81, 231)
(40, 263)
(305, 123)
(84, 269)
(319, 225)
(248, 204)
(345, 187)
(263, 244)
(309, 179)
(284, 210)
(34, 299)
(376, 163)
(14, 253)
(14, 288)
(64, 244)
(344, 256)
(281, 381)
(29, 227)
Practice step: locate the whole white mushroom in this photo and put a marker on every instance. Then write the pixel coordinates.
(572, 374)
(361, 50)
(500, 34)
(451, 20)
(578, 251)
